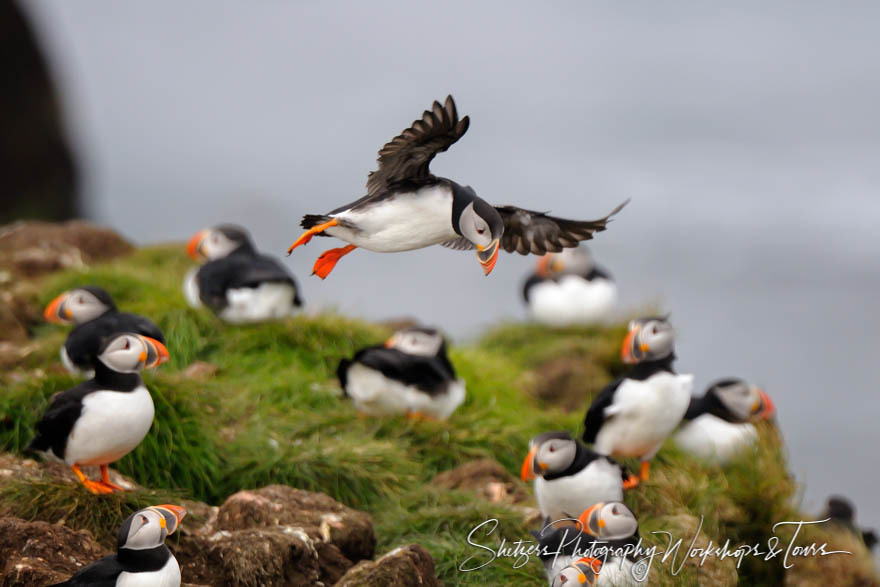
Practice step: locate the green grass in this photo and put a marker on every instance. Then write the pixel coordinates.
(272, 413)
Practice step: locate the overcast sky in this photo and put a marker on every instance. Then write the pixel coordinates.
(746, 135)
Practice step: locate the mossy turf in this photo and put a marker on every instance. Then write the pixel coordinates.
(270, 411)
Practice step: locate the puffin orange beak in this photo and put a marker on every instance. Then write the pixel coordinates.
(543, 266)
(626, 351)
(56, 312)
(193, 249)
(589, 568)
(766, 408)
(156, 353)
(178, 511)
(528, 467)
(584, 520)
(172, 522)
(488, 256)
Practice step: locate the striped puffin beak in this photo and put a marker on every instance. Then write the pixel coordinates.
(528, 467)
(488, 256)
(155, 353)
(57, 312)
(589, 568)
(765, 408)
(589, 520)
(194, 248)
(173, 515)
(628, 352)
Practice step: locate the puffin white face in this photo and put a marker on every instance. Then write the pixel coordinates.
(129, 353)
(424, 342)
(648, 339)
(574, 261)
(609, 521)
(582, 572)
(482, 225)
(216, 243)
(742, 401)
(144, 529)
(77, 305)
(552, 452)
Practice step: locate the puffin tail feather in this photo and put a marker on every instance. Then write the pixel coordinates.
(313, 220)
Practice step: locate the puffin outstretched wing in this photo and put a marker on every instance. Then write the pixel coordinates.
(405, 158)
(526, 231)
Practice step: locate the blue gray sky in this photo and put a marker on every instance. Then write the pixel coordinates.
(746, 135)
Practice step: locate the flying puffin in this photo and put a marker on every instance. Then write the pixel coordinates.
(410, 374)
(718, 425)
(604, 537)
(568, 288)
(238, 283)
(141, 555)
(96, 316)
(407, 207)
(569, 477)
(103, 419)
(632, 416)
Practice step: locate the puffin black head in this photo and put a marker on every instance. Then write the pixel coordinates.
(479, 222)
(738, 401)
(584, 571)
(551, 452)
(425, 342)
(129, 353)
(577, 260)
(649, 339)
(219, 242)
(840, 509)
(609, 521)
(143, 530)
(79, 305)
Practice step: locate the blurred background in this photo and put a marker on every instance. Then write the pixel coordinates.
(746, 135)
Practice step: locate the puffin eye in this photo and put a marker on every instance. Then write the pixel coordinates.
(80, 300)
(126, 347)
(552, 448)
(144, 521)
(481, 230)
(654, 330)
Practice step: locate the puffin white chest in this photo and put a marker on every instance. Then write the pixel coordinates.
(643, 414)
(111, 425)
(572, 300)
(402, 222)
(567, 497)
(167, 576)
(267, 301)
(191, 288)
(715, 440)
(373, 393)
(618, 572)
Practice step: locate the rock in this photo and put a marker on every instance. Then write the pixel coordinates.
(30, 249)
(39, 553)
(200, 370)
(486, 477)
(406, 566)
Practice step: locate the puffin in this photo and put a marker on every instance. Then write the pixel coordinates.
(569, 477)
(841, 512)
(406, 207)
(719, 424)
(238, 283)
(633, 415)
(410, 374)
(568, 288)
(604, 537)
(141, 555)
(103, 419)
(96, 316)
(583, 571)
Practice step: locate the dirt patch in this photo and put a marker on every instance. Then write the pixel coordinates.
(406, 566)
(487, 478)
(565, 382)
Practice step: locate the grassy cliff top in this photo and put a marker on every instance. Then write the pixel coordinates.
(241, 407)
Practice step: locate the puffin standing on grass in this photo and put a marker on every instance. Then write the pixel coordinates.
(632, 416)
(569, 477)
(238, 283)
(407, 207)
(141, 558)
(410, 374)
(719, 425)
(568, 288)
(103, 419)
(96, 317)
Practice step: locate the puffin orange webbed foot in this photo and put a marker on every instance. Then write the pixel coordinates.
(328, 259)
(631, 482)
(307, 235)
(105, 480)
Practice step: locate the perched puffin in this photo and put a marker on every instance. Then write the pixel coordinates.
(604, 537)
(568, 288)
(410, 374)
(96, 316)
(569, 477)
(718, 425)
(633, 415)
(841, 512)
(407, 207)
(238, 283)
(141, 558)
(583, 571)
(103, 419)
